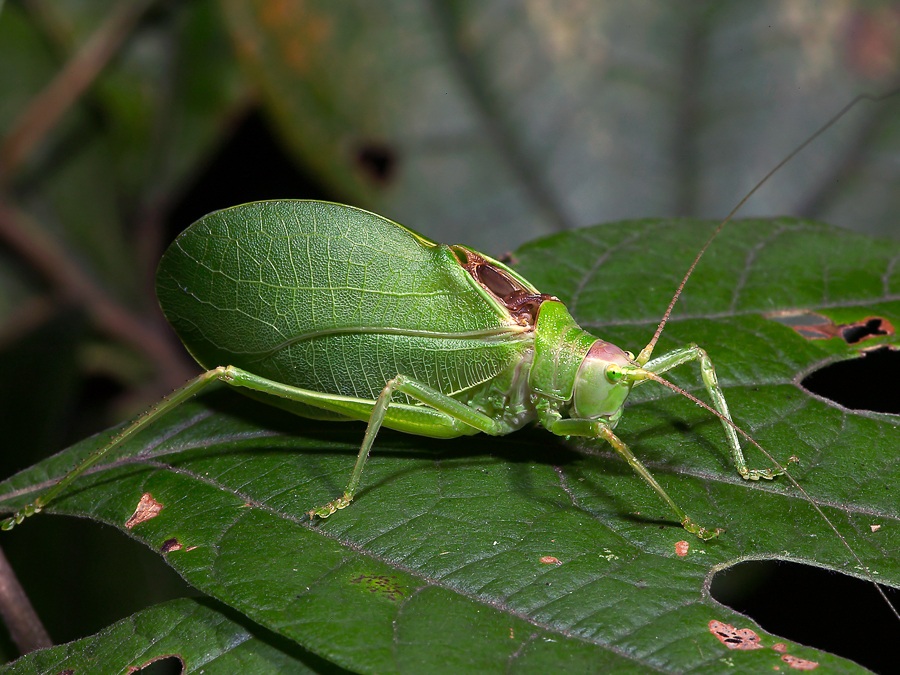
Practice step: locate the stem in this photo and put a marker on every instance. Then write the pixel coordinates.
(25, 627)
(495, 124)
(57, 97)
(689, 113)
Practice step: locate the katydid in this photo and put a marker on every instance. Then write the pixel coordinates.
(367, 320)
(333, 312)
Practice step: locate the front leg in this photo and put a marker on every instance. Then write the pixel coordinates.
(692, 352)
(554, 423)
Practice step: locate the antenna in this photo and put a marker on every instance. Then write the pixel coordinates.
(644, 356)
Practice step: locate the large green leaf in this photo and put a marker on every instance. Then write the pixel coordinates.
(441, 563)
(203, 637)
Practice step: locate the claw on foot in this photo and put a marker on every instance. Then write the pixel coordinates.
(768, 474)
(20, 515)
(331, 507)
(700, 531)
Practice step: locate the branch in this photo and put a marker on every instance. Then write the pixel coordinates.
(46, 255)
(57, 97)
(25, 627)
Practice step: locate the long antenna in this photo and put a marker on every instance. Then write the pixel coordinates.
(644, 356)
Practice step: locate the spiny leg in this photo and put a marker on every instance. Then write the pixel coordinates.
(453, 412)
(174, 399)
(447, 414)
(597, 429)
(692, 352)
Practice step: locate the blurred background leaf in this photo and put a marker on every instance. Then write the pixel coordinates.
(492, 123)
(481, 123)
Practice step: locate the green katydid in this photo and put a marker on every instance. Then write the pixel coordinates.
(339, 314)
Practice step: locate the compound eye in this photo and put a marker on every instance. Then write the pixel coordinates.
(614, 373)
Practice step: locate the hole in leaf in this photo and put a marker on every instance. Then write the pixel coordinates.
(857, 332)
(815, 607)
(817, 327)
(378, 161)
(165, 665)
(170, 545)
(864, 383)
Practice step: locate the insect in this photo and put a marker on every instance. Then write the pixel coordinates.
(333, 312)
(367, 320)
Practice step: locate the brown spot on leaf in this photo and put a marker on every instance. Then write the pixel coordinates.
(798, 663)
(550, 560)
(780, 647)
(871, 41)
(146, 509)
(735, 638)
(384, 585)
(682, 548)
(298, 31)
(170, 545)
(275, 13)
(808, 324)
(817, 327)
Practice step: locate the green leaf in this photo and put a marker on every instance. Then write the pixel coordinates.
(489, 123)
(440, 564)
(204, 637)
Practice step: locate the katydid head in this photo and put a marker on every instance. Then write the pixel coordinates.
(600, 391)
